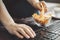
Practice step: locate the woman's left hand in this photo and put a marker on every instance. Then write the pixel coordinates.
(37, 4)
(39, 7)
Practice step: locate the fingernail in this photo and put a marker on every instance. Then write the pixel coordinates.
(28, 37)
(33, 36)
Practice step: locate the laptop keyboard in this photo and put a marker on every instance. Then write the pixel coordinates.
(51, 36)
(52, 32)
(45, 35)
(55, 28)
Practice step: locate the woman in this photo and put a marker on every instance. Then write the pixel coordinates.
(18, 9)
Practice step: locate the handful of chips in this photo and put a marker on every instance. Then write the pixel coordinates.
(42, 18)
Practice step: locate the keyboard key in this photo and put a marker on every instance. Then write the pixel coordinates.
(58, 38)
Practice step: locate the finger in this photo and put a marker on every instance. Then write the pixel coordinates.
(44, 5)
(43, 2)
(45, 10)
(31, 30)
(18, 35)
(28, 32)
(23, 33)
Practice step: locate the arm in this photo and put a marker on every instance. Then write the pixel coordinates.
(4, 15)
(13, 27)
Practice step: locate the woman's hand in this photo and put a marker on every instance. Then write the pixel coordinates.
(37, 4)
(39, 7)
(20, 30)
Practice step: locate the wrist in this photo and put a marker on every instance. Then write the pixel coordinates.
(32, 2)
(37, 1)
(9, 23)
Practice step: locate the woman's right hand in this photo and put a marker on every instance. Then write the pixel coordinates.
(20, 30)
